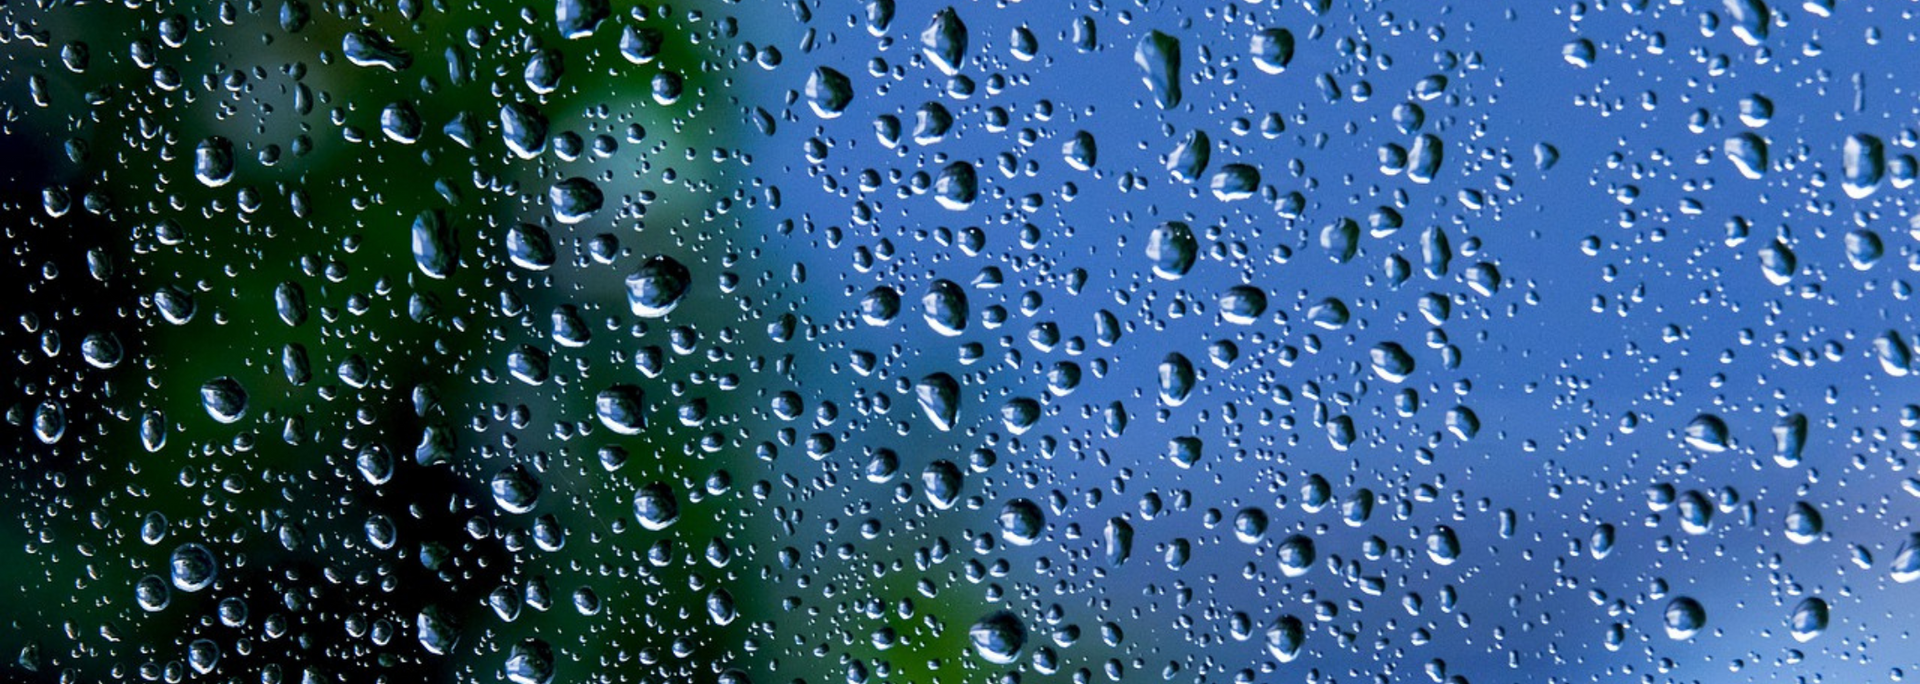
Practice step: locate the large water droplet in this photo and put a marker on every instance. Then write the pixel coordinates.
(622, 409)
(656, 507)
(1285, 638)
(224, 399)
(939, 397)
(945, 41)
(530, 662)
(213, 161)
(998, 638)
(574, 200)
(1022, 522)
(1172, 248)
(1684, 617)
(434, 249)
(945, 307)
(656, 288)
(1295, 554)
(514, 489)
(1272, 49)
(828, 92)
(437, 630)
(1158, 56)
(193, 567)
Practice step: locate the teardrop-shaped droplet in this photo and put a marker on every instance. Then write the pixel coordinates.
(434, 249)
(945, 307)
(224, 399)
(939, 397)
(945, 41)
(1707, 433)
(657, 287)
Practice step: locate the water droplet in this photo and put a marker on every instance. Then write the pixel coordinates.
(1864, 249)
(945, 41)
(1158, 56)
(656, 507)
(998, 638)
(1684, 617)
(622, 409)
(1295, 554)
(1707, 433)
(1863, 161)
(1790, 439)
(1748, 152)
(1905, 567)
(1391, 362)
(1272, 50)
(375, 464)
(152, 594)
(224, 399)
(1080, 151)
(437, 630)
(524, 129)
(366, 48)
(574, 200)
(957, 186)
(1749, 19)
(1443, 546)
(578, 18)
(49, 422)
(1285, 638)
(657, 287)
(1172, 248)
(1243, 304)
(213, 161)
(1190, 157)
(1022, 522)
(828, 92)
(1778, 262)
(1177, 379)
(530, 662)
(1695, 512)
(193, 567)
(1341, 239)
(1804, 523)
(1809, 619)
(1578, 52)
(939, 397)
(514, 489)
(945, 307)
(942, 481)
(1235, 182)
(434, 250)
(1118, 536)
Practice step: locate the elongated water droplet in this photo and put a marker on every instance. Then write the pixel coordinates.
(1158, 56)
